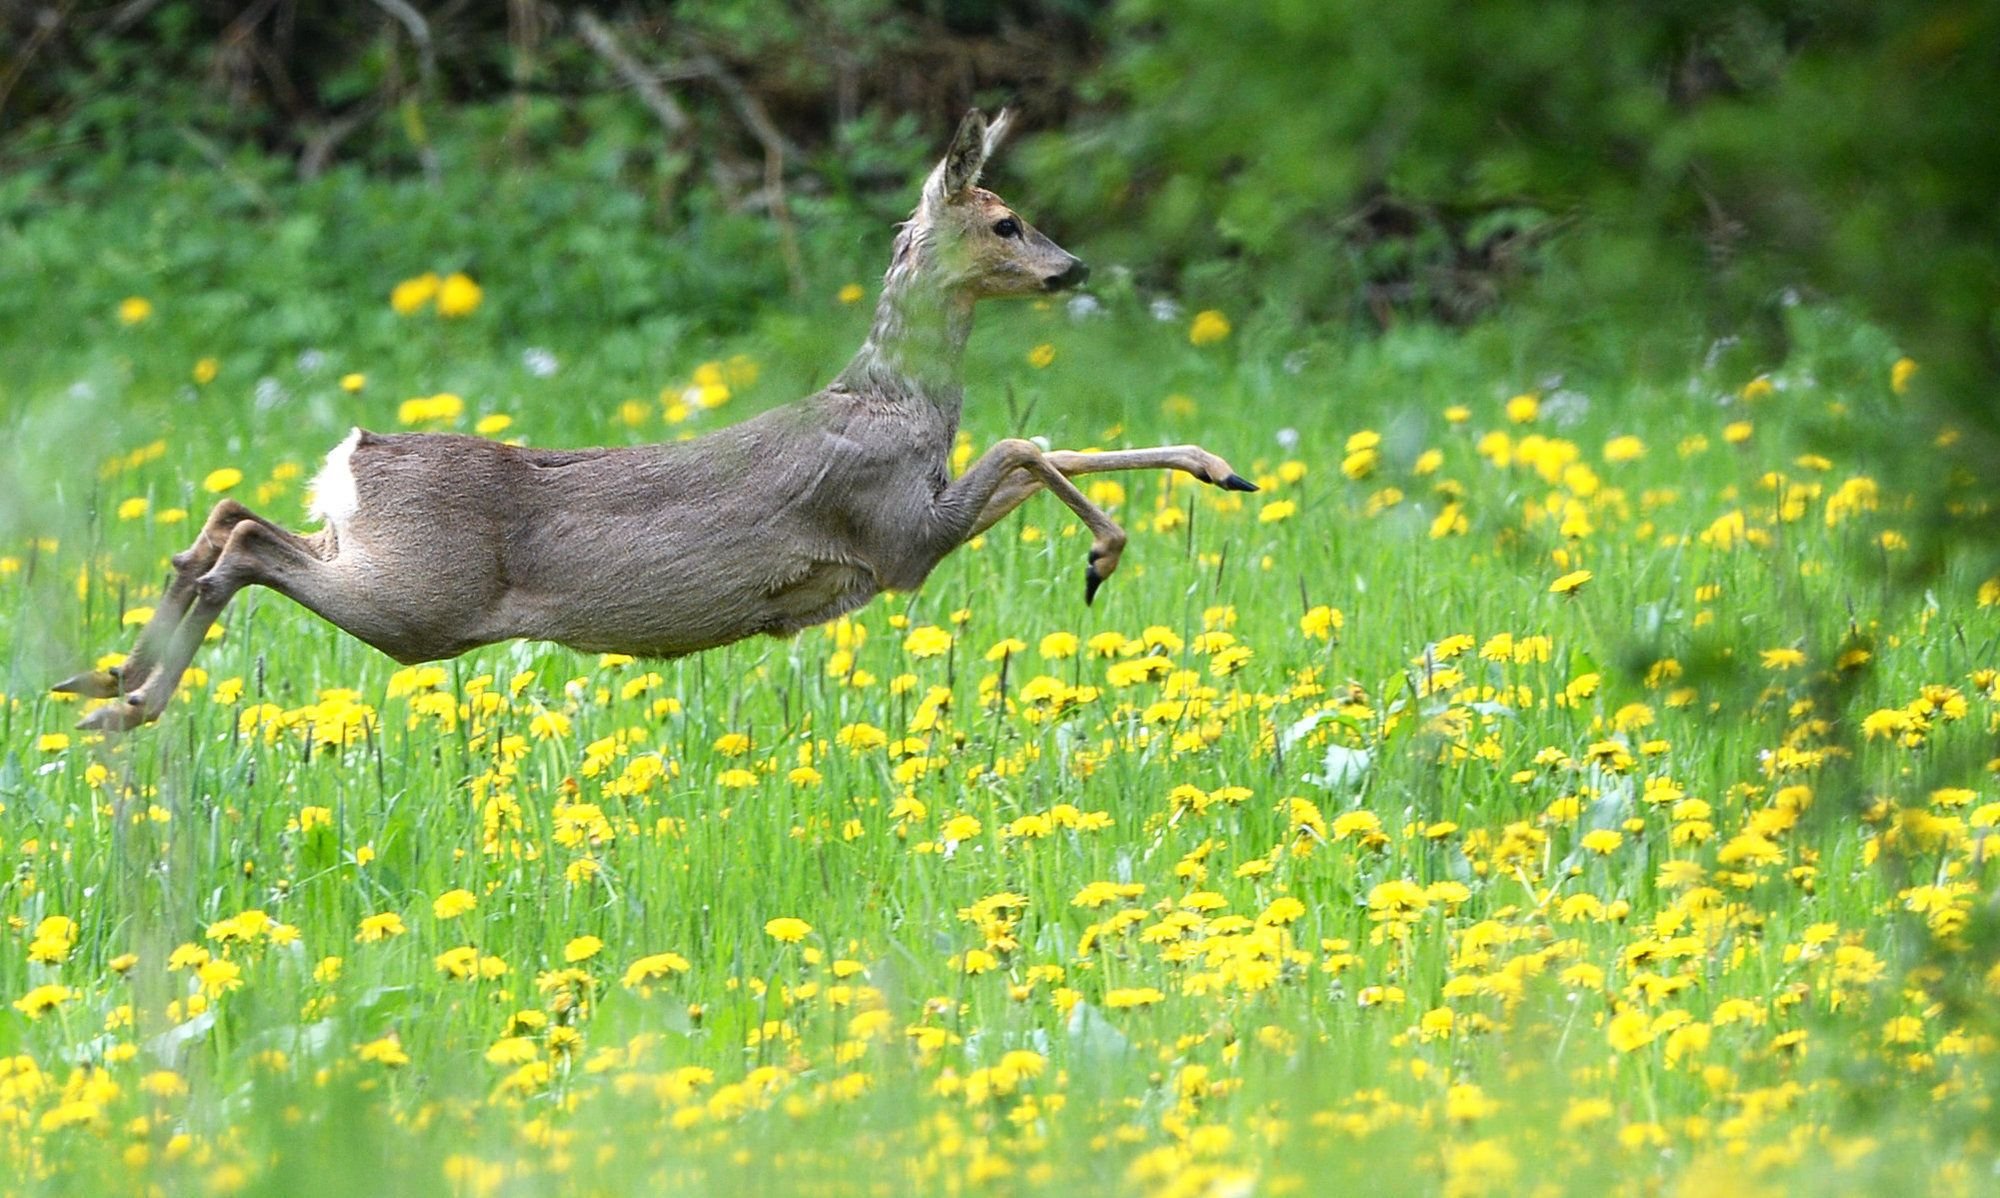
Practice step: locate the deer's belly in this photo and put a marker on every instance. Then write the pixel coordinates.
(648, 622)
(823, 591)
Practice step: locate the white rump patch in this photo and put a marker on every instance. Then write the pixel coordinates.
(334, 499)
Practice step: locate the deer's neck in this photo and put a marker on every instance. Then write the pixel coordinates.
(917, 341)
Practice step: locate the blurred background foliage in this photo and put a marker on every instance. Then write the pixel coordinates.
(1322, 159)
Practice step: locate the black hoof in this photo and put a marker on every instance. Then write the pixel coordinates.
(1237, 482)
(1091, 581)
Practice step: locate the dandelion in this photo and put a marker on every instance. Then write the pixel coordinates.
(927, 641)
(43, 999)
(1283, 910)
(133, 309)
(410, 295)
(851, 293)
(205, 371)
(380, 927)
(1057, 645)
(1602, 841)
(451, 904)
(353, 382)
(581, 949)
(787, 929)
(1624, 449)
(654, 968)
(1522, 409)
(1042, 356)
(221, 480)
(387, 1052)
(1321, 622)
(1629, 1031)
(1132, 996)
(1209, 327)
(1900, 375)
(1570, 583)
(458, 296)
(430, 409)
(1276, 510)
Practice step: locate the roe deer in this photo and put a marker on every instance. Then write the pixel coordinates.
(434, 544)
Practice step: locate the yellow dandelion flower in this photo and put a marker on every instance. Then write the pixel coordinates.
(653, 968)
(927, 641)
(43, 999)
(452, 903)
(1057, 646)
(380, 927)
(1570, 583)
(412, 294)
(1209, 327)
(1900, 374)
(787, 929)
(1602, 841)
(1132, 996)
(221, 480)
(458, 296)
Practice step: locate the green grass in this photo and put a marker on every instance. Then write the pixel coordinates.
(866, 1057)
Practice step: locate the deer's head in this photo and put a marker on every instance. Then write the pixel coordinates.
(973, 243)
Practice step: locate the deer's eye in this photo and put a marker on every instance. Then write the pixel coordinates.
(1007, 227)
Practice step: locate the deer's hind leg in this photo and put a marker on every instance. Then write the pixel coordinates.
(188, 565)
(205, 580)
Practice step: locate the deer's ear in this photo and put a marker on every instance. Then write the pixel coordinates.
(959, 169)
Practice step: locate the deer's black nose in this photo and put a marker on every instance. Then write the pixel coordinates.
(1073, 276)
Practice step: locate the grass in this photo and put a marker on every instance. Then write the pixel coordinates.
(1337, 845)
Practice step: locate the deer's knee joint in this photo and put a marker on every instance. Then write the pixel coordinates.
(216, 586)
(1019, 449)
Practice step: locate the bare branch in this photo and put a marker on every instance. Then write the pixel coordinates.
(600, 39)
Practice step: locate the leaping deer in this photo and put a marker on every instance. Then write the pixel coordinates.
(433, 544)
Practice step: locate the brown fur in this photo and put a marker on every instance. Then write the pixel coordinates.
(438, 544)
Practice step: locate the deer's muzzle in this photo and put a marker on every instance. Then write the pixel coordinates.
(1072, 276)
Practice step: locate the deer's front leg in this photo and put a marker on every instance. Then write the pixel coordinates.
(1192, 460)
(957, 512)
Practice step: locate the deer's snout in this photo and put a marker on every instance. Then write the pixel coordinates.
(1072, 275)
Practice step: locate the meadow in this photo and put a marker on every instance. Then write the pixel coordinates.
(1542, 785)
